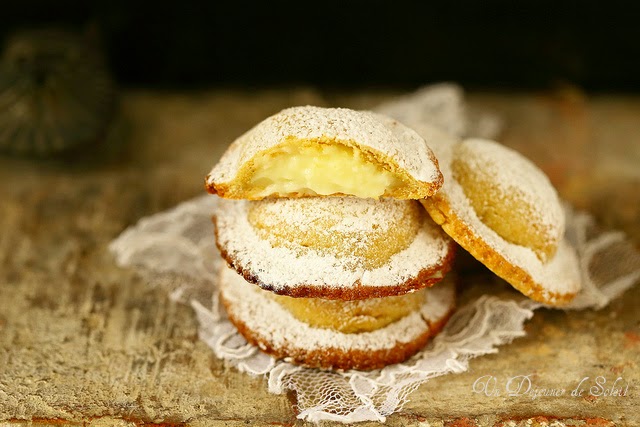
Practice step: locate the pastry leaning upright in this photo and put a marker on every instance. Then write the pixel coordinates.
(330, 254)
(503, 210)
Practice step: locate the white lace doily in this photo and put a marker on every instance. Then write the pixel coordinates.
(176, 250)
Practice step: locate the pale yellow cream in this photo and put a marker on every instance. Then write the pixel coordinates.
(321, 169)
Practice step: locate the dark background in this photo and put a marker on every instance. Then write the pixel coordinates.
(498, 45)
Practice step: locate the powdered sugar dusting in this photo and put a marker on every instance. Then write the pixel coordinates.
(366, 129)
(433, 310)
(349, 214)
(276, 325)
(560, 275)
(282, 268)
(517, 176)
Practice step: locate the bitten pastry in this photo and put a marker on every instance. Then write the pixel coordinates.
(333, 247)
(503, 210)
(313, 151)
(270, 325)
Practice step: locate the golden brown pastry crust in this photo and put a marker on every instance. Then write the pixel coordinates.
(425, 278)
(376, 230)
(440, 210)
(526, 213)
(351, 317)
(336, 358)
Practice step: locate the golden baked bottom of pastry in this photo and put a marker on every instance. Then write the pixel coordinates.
(371, 232)
(510, 195)
(334, 248)
(313, 151)
(517, 250)
(272, 328)
(351, 316)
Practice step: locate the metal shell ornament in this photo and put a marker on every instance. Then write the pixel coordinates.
(55, 94)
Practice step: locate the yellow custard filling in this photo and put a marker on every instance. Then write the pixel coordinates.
(351, 317)
(318, 169)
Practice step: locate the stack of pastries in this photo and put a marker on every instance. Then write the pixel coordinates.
(335, 226)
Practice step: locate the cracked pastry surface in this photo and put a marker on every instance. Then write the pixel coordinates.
(314, 151)
(276, 331)
(507, 216)
(334, 248)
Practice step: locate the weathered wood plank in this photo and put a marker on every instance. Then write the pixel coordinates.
(82, 340)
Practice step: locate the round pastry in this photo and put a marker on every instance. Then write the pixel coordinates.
(335, 247)
(313, 151)
(266, 323)
(504, 211)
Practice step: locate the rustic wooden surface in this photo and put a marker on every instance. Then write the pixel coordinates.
(85, 342)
